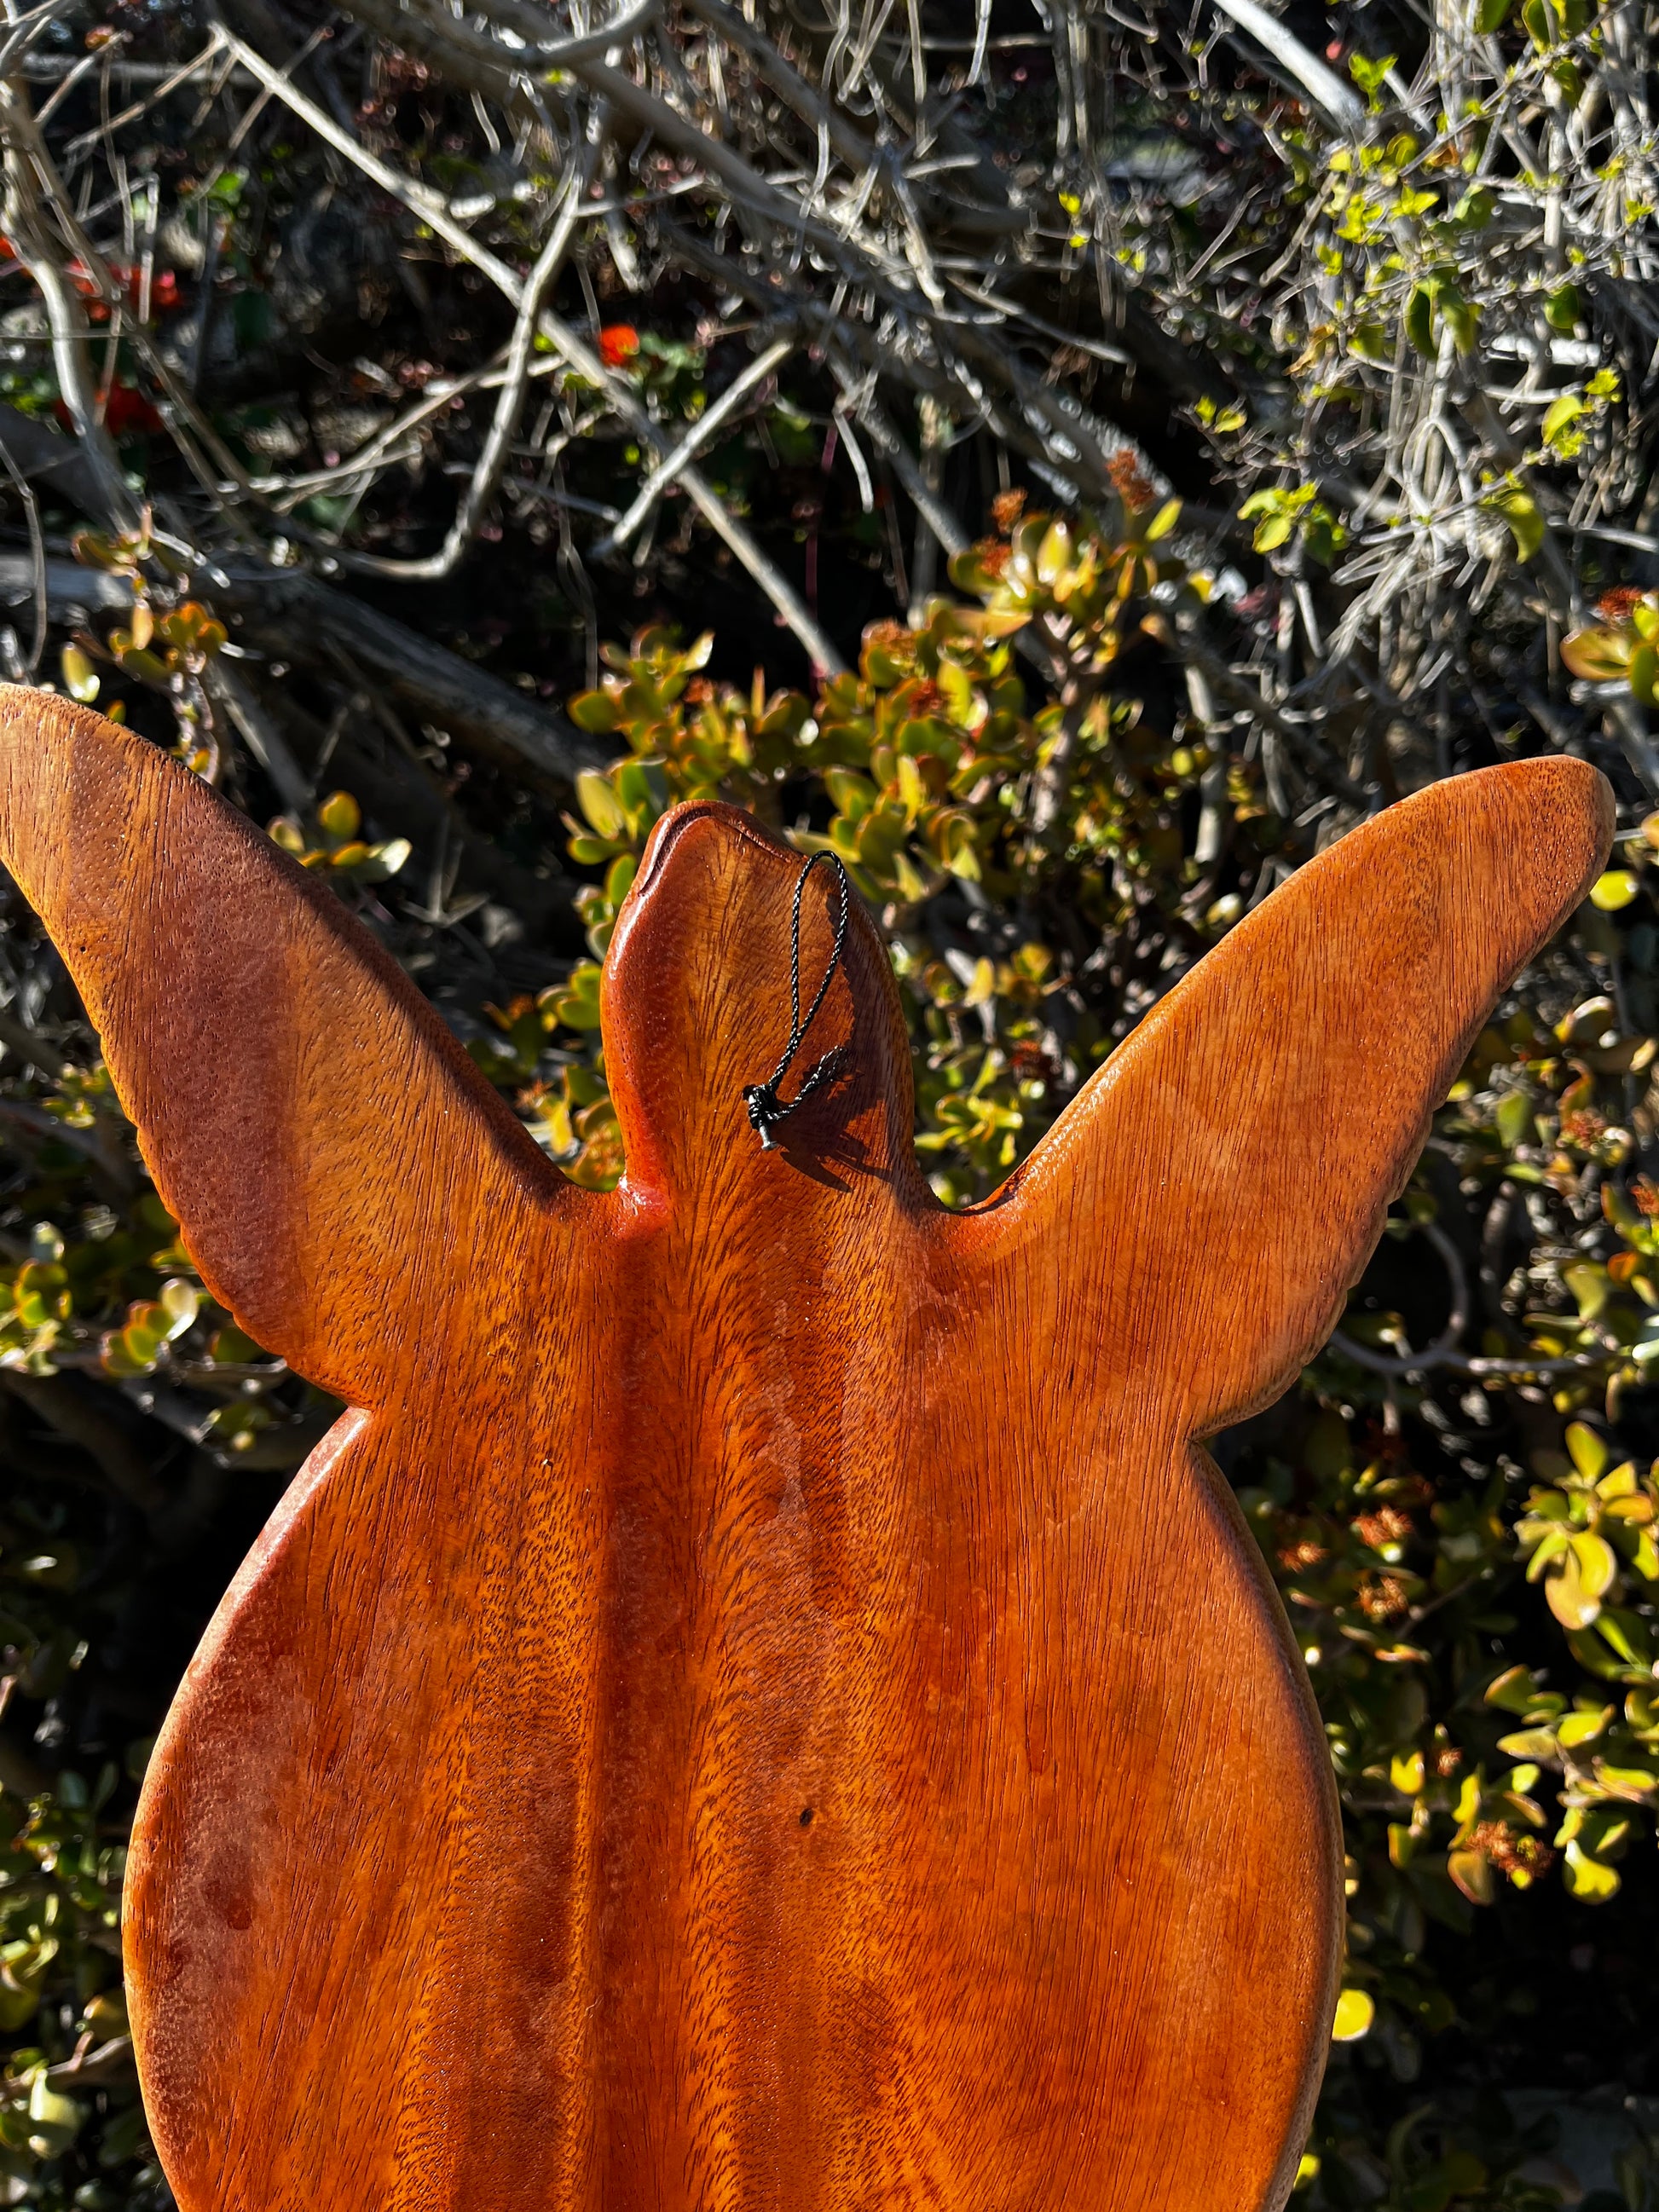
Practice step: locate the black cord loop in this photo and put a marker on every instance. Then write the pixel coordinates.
(765, 1109)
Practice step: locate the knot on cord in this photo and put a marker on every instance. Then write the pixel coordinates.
(765, 1109)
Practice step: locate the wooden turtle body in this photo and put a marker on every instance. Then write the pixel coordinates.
(763, 1703)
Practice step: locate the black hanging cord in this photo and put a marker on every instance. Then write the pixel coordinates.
(765, 1109)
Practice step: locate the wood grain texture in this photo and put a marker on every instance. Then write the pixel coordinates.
(720, 1726)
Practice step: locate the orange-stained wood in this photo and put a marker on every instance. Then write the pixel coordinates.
(765, 1705)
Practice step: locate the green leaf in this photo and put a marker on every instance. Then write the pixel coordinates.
(1516, 1122)
(1476, 209)
(123, 2136)
(181, 1302)
(591, 851)
(1626, 1633)
(231, 1348)
(642, 788)
(1419, 321)
(54, 2120)
(594, 712)
(619, 877)
(1371, 75)
(1512, 1691)
(1461, 318)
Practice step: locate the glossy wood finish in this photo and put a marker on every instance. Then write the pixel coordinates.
(765, 1705)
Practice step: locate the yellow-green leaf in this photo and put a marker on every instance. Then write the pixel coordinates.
(1587, 1450)
(1560, 415)
(1528, 1743)
(1575, 1730)
(1054, 554)
(1164, 521)
(1521, 511)
(80, 677)
(1406, 1772)
(597, 798)
(1600, 656)
(1597, 1563)
(1588, 1880)
(1472, 1872)
(340, 817)
(1631, 1781)
(1355, 2011)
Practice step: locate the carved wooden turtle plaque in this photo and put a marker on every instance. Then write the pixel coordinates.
(763, 1703)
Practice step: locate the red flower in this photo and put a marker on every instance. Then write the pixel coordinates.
(126, 411)
(1615, 605)
(619, 344)
(1133, 488)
